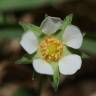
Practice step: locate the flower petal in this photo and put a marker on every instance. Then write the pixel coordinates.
(42, 67)
(73, 37)
(68, 65)
(50, 25)
(29, 42)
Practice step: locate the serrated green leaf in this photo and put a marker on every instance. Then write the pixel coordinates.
(33, 28)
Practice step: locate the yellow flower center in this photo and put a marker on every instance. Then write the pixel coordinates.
(51, 49)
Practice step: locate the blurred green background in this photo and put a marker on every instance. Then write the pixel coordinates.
(14, 11)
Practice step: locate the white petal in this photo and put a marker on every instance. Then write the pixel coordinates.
(70, 64)
(73, 37)
(50, 25)
(29, 42)
(42, 67)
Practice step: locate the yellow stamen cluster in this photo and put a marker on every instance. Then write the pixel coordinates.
(51, 49)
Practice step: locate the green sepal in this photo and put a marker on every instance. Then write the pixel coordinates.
(67, 21)
(84, 34)
(33, 28)
(70, 51)
(74, 51)
(67, 51)
(56, 75)
(85, 55)
(26, 59)
(46, 15)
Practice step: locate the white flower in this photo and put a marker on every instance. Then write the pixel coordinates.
(52, 49)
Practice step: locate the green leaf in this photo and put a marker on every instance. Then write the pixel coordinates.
(33, 28)
(24, 91)
(67, 21)
(56, 76)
